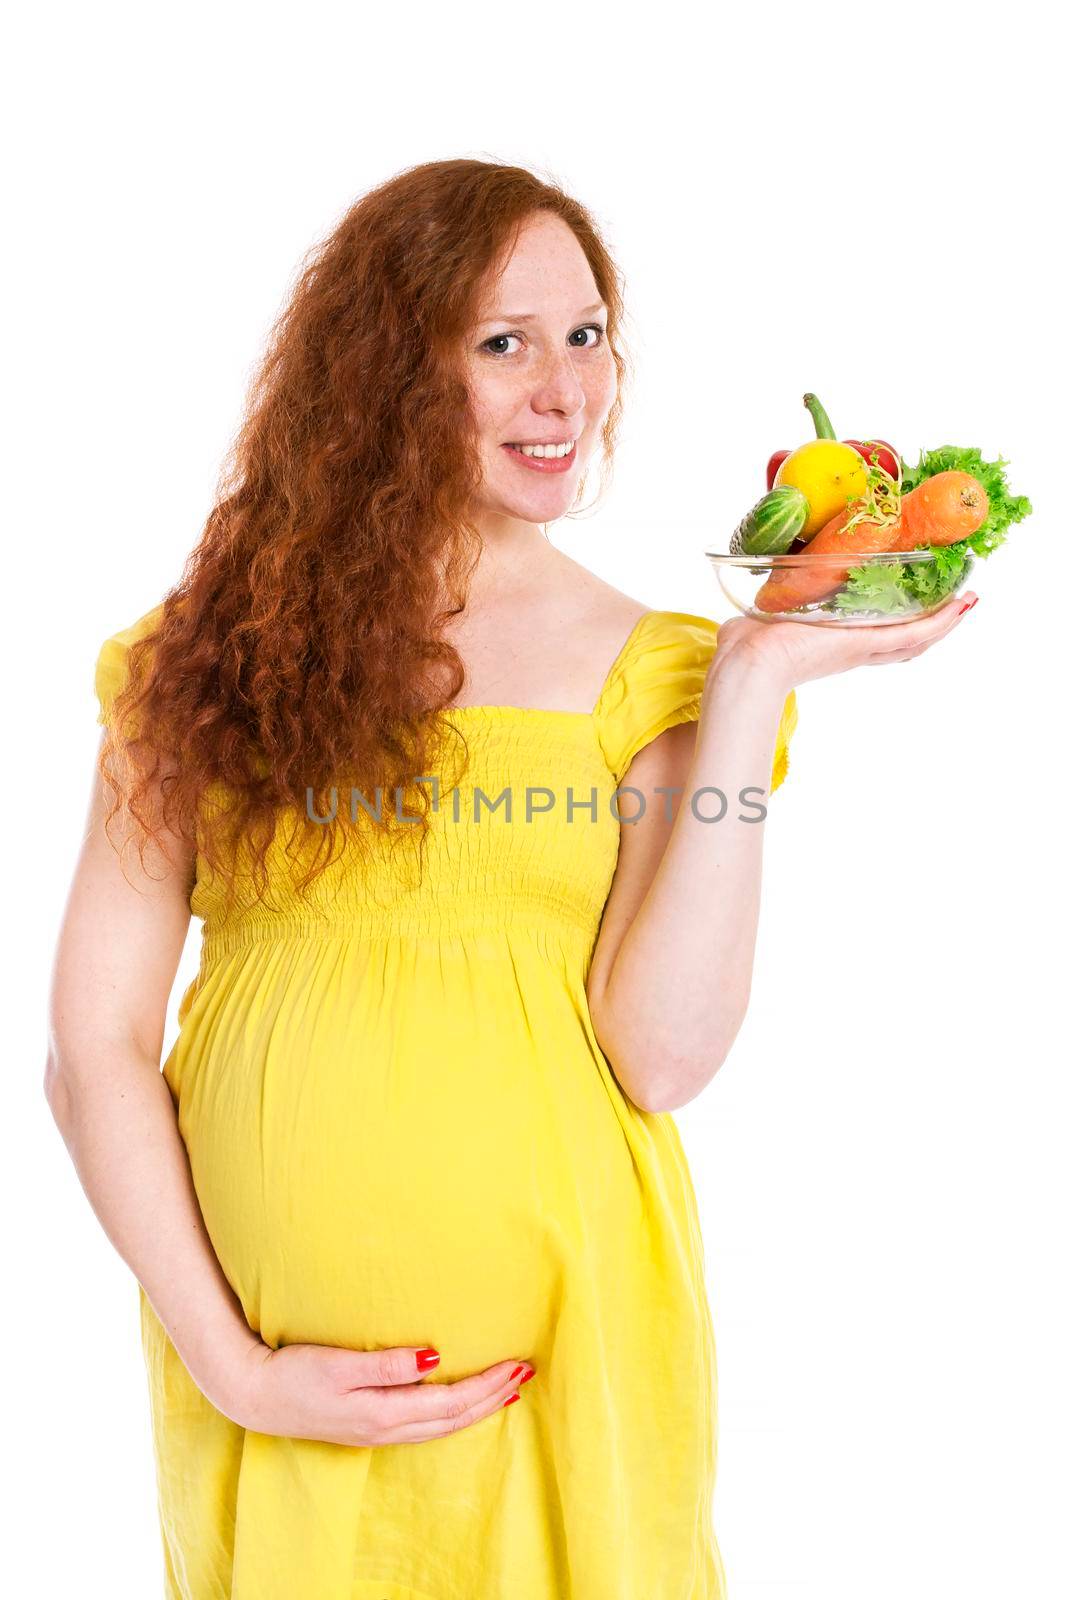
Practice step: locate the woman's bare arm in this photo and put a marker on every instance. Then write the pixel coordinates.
(670, 978)
(669, 983)
(119, 945)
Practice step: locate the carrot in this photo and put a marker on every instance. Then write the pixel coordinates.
(941, 510)
(787, 587)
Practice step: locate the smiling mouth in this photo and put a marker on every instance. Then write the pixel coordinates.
(538, 444)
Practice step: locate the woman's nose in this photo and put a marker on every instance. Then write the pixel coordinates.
(559, 389)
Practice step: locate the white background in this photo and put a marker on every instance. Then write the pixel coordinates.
(818, 197)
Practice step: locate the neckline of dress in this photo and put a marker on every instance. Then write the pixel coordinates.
(581, 716)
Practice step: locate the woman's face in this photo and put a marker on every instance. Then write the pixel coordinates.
(539, 369)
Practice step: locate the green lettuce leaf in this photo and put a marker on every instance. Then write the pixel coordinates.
(874, 588)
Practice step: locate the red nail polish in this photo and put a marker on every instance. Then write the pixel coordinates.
(520, 1368)
(512, 1400)
(424, 1359)
(532, 1373)
(974, 601)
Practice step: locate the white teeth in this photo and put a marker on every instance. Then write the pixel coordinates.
(549, 451)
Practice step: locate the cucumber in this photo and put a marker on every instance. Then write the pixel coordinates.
(771, 526)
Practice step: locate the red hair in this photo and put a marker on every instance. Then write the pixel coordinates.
(301, 646)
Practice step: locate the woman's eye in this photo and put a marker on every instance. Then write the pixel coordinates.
(598, 328)
(498, 338)
(501, 338)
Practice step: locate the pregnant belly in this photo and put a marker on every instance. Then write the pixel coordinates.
(375, 1169)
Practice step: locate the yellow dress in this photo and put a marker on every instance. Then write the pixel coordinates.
(402, 1131)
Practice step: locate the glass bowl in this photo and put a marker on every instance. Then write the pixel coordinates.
(874, 588)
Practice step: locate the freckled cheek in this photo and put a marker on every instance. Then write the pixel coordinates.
(496, 403)
(606, 391)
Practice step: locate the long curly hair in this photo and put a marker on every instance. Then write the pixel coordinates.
(301, 645)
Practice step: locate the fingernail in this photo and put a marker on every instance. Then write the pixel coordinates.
(520, 1368)
(424, 1359)
(512, 1400)
(532, 1373)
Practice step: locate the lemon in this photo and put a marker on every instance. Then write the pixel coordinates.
(829, 473)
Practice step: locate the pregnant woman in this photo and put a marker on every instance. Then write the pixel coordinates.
(411, 1158)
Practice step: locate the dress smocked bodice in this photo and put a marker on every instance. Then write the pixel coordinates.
(532, 830)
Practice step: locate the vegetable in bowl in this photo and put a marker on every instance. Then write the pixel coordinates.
(907, 587)
(849, 533)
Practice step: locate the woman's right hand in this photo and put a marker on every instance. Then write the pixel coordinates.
(362, 1397)
(796, 652)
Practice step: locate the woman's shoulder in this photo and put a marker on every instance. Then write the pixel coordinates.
(659, 641)
(611, 614)
(655, 681)
(604, 599)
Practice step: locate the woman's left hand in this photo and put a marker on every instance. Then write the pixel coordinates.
(796, 652)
